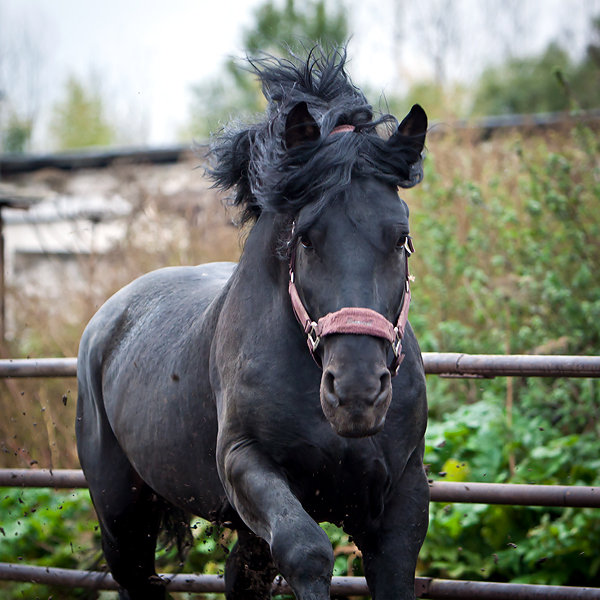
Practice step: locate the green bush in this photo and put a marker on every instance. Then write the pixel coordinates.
(506, 264)
(47, 528)
(505, 543)
(59, 529)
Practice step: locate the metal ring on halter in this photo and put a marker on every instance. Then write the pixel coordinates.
(397, 343)
(312, 338)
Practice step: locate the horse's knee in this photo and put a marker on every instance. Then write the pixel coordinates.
(304, 553)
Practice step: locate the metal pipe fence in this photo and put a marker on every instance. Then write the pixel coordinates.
(442, 364)
(516, 494)
(449, 364)
(340, 586)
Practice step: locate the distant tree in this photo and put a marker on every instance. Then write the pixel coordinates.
(443, 102)
(276, 27)
(215, 101)
(22, 61)
(548, 82)
(584, 83)
(16, 134)
(294, 27)
(79, 119)
(593, 48)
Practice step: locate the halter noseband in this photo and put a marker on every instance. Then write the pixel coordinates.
(353, 320)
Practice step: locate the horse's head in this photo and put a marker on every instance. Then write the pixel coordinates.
(318, 157)
(349, 285)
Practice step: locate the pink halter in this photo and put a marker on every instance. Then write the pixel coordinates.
(353, 320)
(342, 129)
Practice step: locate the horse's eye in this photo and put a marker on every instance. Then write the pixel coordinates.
(405, 242)
(305, 241)
(401, 242)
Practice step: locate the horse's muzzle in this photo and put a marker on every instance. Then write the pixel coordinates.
(355, 394)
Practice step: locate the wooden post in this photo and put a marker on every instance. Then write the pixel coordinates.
(2, 279)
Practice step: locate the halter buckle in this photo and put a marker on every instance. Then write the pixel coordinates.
(397, 343)
(312, 338)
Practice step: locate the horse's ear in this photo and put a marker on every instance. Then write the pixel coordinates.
(414, 126)
(300, 126)
(411, 134)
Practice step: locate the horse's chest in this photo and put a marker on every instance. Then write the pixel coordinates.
(341, 480)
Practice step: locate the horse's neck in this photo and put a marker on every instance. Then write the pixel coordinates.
(260, 258)
(258, 292)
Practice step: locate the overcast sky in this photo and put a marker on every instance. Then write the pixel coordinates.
(146, 54)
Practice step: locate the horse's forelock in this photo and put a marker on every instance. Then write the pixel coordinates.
(267, 176)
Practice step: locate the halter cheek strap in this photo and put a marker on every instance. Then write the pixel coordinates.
(352, 320)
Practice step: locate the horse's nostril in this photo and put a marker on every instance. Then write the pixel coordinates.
(369, 391)
(328, 388)
(385, 381)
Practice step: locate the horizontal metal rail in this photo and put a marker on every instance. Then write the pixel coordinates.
(517, 494)
(449, 364)
(441, 491)
(343, 586)
(518, 365)
(521, 121)
(95, 158)
(39, 478)
(38, 367)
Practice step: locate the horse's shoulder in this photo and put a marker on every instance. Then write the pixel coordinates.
(162, 284)
(180, 278)
(159, 298)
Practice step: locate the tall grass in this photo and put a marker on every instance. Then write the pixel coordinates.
(165, 228)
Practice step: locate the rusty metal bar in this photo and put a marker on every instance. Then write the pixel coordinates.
(56, 478)
(56, 576)
(517, 494)
(441, 491)
(11, 164)
(519, 365)
(436, 363)
(483, 590)
(344, 586)
(38, 367)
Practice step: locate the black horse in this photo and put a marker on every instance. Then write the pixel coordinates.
(197, 392)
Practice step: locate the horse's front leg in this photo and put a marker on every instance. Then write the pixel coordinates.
(262, 497)
(390, 551)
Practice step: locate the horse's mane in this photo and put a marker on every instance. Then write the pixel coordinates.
(290, 159)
